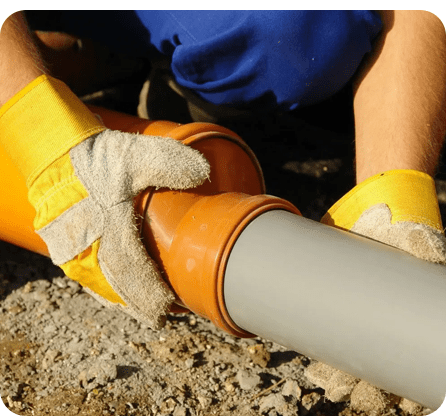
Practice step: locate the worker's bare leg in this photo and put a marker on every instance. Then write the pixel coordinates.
(400, 96)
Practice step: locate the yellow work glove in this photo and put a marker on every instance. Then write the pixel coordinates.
(399, 208)
(82, 179)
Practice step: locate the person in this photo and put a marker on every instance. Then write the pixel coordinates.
(82, 177)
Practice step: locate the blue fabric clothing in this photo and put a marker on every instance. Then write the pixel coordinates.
(262, 60)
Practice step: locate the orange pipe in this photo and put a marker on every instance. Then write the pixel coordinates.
(188, 233)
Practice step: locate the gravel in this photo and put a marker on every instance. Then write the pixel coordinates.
(63, 351)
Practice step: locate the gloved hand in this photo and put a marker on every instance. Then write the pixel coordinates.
(399, 208)
(82, 179)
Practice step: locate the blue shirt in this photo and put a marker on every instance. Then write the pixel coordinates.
(261, 60)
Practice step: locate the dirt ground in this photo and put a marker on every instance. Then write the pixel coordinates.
(62, 353)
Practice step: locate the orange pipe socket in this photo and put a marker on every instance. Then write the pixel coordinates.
(189, 233)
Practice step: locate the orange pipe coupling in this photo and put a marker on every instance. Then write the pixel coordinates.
(189, 233)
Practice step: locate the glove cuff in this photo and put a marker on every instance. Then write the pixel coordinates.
(41, 123)
(410, 195)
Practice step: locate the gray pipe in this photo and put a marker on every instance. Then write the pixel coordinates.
(363, 307)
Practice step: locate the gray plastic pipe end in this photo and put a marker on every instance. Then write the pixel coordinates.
(365, 308)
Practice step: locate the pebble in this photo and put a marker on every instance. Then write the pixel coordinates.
(49, 329)
(13, 403)
(272, 401)
(28, 287)
(168, 405)
(311, 399)
(50, 358)
(60, 282)
(100, 374)
(246, 380)
(40, 295)
(180, 411)
(189, 363)
(259, 355)
(291, 388)
(15, 310)
(204, 401)
(113, 405)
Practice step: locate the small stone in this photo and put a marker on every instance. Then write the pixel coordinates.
(291, 388)
(272, 401)
(103, 372)
(229, 387)
(180, 411)
(42, 284)
(60, 282)
(189, 363)
(52, 354)
(10, 401)
(311, 399)
(410, 407)
(338, 385)
(40, 295)
(49, 329)
(98, 375)
(28, 287)
(367, 398)
(205, 402)
(72, 287)
(94, 352)
(113, 405)
(76, 358)
(133, 346)
(26, 371)
(246, 380)
(168, 405)
(15, 310)
(82, 377)
(259, 355)
(73, 346)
